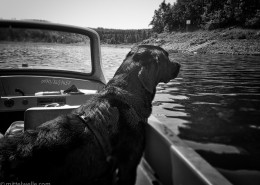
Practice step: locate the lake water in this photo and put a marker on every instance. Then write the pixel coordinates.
(214, 104)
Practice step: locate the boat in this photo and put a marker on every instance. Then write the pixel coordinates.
(29, 92)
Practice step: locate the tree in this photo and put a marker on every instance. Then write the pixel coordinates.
(209, 14)
(162, 17)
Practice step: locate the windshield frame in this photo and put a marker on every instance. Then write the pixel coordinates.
(96, 72)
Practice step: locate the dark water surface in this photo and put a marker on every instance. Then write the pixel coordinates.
(214, 105)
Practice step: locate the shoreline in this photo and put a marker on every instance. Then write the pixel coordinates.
(231, 41)
(117, 45)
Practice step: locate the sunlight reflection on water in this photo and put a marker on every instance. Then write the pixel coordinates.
(112, 57)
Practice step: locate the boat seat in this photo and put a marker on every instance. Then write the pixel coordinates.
(33, 117)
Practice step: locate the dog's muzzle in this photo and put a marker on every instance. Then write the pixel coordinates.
(171, 72)
(176, 69)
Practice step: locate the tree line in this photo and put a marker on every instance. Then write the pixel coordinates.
(119, 36)
(107, 36)
(36, 35)
(208, 14)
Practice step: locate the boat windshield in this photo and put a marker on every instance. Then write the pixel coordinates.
(29, 49)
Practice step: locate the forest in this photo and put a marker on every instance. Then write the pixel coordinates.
(36, 35)
(117, 36)
(206, 14)
(107, 36)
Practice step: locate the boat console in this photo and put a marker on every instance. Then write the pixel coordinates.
(18, 93)
(40, 61)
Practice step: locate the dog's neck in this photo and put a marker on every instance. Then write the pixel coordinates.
(137, 95)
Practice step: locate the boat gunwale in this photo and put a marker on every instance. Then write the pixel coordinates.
(177, 152)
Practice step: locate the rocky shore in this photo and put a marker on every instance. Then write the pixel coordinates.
(235, 41)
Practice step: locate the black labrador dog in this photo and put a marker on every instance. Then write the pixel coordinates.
(102, 141)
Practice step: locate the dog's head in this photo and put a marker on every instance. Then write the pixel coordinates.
(155, 64)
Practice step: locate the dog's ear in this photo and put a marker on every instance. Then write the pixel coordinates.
(145, 56)
(147, 77)
(149, 62)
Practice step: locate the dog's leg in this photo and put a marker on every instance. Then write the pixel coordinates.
(127, 168)
(127, 176)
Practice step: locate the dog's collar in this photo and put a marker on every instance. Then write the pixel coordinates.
(130, 100)
(103, 142)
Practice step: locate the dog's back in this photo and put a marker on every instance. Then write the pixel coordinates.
(57, 149)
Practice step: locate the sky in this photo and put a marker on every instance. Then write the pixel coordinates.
(117, 14)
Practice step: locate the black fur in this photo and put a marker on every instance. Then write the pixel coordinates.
(64, 151)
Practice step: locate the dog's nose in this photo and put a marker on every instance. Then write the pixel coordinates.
(177, 67)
